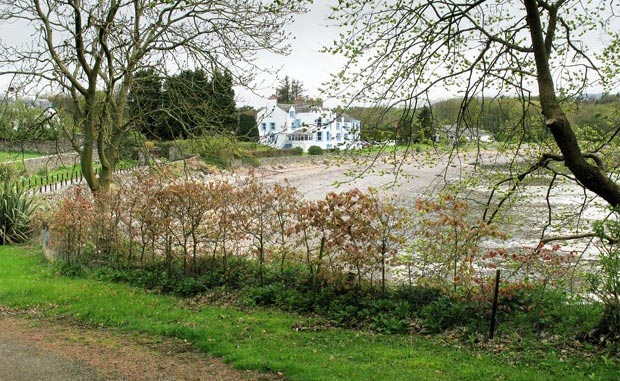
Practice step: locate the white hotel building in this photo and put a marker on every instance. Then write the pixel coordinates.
(285, 126)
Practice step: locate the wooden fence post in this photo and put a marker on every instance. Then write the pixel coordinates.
(495, 298)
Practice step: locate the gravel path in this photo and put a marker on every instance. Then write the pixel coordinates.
(21, 361)
(51, 350)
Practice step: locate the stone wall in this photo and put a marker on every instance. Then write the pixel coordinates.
(48, 147)
(53, 161)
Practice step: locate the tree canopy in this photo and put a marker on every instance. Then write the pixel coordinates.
(289, 90)
(400, 52)
(91, 51)
(183, 105)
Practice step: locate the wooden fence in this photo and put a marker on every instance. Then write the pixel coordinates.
(54, 182)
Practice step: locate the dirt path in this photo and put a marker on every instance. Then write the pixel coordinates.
(52, 350)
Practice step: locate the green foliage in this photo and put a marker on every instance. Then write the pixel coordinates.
(186, 97)
(133, 144)
(16, 208)
(377, 124)
(605, 283)
(248, 131)
(303, 348)
(446, 313)
(188, 104)
(315, 150)
(9, 172)
(503, 117)
(19, 121)
(145, 103)
(218, 150)
(222, 102)
(425, 121)
(297, 151)
(289, 90)
(71, 270)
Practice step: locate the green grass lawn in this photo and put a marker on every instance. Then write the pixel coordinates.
(17, 156)
(265, 340)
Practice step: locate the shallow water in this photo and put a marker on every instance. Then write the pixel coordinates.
(525, 220)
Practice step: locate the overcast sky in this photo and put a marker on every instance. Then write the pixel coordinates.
(309, 33)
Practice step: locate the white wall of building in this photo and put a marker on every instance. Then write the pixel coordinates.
(289, 126)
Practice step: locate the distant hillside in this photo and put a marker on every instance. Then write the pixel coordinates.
(502, 117)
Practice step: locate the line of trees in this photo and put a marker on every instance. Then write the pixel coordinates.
(594, 120)
(291, 91)
(404, 125)
(190, 103)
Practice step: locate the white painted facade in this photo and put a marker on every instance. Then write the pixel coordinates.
(285, 126)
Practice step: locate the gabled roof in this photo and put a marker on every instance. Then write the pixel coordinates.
(347, 118)
(303, 108)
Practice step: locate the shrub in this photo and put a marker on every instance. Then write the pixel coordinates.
(164, 148)
(43, 172)
(216, 150)
(315, 150)
(132, 144)
(251, 160)
(71, 226)
(9, 172)
(605, 283)
(71, 270)
(16, 207)
(447, 312)
(297, 151)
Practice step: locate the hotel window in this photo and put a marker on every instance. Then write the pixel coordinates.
(263, 126)
(319, 136)
(272, 126)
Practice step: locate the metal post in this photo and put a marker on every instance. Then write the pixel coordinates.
(495, 297)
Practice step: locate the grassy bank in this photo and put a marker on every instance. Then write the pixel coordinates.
(274, 341)
(17, 156)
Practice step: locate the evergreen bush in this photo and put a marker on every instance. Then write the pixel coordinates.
(16, 207)
(315, 150)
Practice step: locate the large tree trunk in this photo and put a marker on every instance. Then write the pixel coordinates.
(593, 177)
